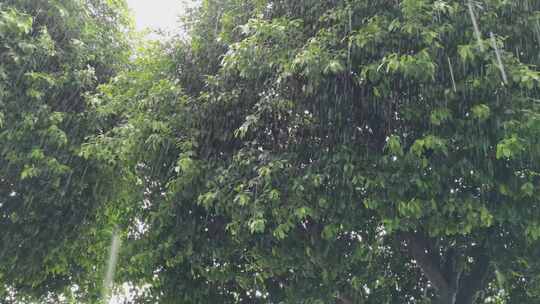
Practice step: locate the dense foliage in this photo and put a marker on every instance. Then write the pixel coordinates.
(288, 152)
(52, 54)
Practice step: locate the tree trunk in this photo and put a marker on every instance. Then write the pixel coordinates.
(446, 297)
(452, 287)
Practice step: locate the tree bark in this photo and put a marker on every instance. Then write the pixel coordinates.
(418, 249)
(452, 287)
(474, 281)
(344, 300)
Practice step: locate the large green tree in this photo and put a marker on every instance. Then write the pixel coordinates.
(335, 151)
(285, 152)
(52, 55)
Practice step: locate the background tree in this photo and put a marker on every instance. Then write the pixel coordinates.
(287, 151)
(52, 54)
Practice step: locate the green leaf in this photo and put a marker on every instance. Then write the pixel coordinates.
(528, 189)
(466, 52)
(257, 225)
(510, 147)
(281, 231)
(330, 232)
(486, 218)
(393, 145)
(274, 195)
(29, 172)
(439, 116)
(241, 199)
(334, 67)
(303, 212)
(481, 112)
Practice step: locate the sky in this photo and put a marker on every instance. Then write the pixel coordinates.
(157, 14)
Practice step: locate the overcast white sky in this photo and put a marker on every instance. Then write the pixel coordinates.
(157, 14)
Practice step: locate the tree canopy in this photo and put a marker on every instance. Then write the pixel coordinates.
(283, 152)
(52, 54)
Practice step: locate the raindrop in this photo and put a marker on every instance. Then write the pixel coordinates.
(350, 41)
(111, 264)
(538, 30)
(475, 26)
(499, 61)
(452, 74)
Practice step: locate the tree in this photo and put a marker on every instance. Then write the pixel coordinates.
(347, 151)
(301, 152)
(52, 54)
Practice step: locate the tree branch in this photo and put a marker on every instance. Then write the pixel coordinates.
(470, 284)
(451, 270)
(418, 249)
